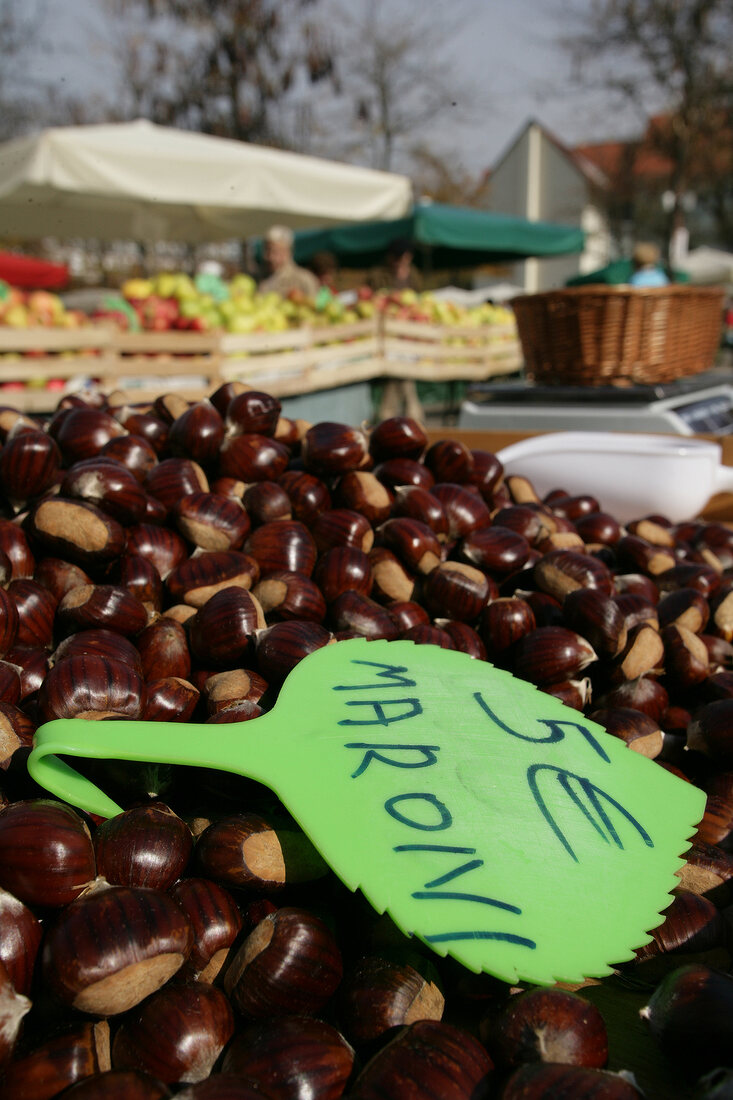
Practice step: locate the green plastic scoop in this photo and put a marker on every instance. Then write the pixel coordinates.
(491, 821)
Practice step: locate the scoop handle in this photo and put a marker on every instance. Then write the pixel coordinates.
(228, 746)
(723, 479)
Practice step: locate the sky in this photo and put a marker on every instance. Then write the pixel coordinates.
(508, 49)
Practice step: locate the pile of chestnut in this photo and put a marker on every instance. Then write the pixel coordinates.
(174, 562)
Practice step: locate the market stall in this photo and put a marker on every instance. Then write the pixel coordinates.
(139, 181)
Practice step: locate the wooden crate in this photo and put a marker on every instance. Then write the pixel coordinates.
(148, 364)
(300, 361)
(443, 353)
(83, 353)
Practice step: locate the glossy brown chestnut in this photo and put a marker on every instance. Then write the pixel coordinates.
(391, 580)
(29, 463)
(539, 1081)
(46, 852)
(413, 542)
(132, 451)
(495, 549)
(266, 501)
(253, 457)
(112, 948)
(281, 646)
(308, 495)
(234, 686)
(140, 577)
(82, 432)
(285, 595)
(454, 590)
(711, 732)
(289, 1058)
(360, 491)
(332, 448)
(20, 938)
(253, 411)
(428, 1058)
(397, 437)
(170, 699)
(378, 994)
(36, 607)
(598, 618)
(637, 730)
(449, 460)
(174, 478)
(77, 531)
(364, 616)
(560, 572)
(14, 544)
(199, 577)
(464, 637)
(58, 576)
(503, 622)
(109, 485)
(119, 1084)
(414, 502)
(177, 1034)
(50, 1068)
(221, 632)
(342, 527)
(690, 1014)
(212, 521)
(245, 851)
(216, 922)
(686, 660)
(465, 510)
(101, 643)
(107, 606)
(9, 621)
(282, 545)
(691, 923)
(162, 546)
(547, 1025)
(290, 964)
(551, 653)
(394, 472)
(89, 686)
(341, 569)
(143, 846)
(197, 433)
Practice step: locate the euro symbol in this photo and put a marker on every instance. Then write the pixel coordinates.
(589, 799)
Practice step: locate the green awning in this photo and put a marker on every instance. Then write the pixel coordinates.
(616, 273)
(444, 237)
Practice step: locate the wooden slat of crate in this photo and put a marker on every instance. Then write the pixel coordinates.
(307, 380)
(428, 371)
(160, 354)
(254, 343)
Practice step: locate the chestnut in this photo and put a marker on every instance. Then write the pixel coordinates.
(112, 948)
(413, 542)
(199, 577)
(119, 1084)
(89, 686)
(46, 852)
(332, 448)
(282, 545)
(245, 851)
(541, 1080)
(20, 938)
(495, 549)
(132, 451)
(636, 729)
(29, 464)
(427, 1058)
(82, 432)
(197, 433)
(378, 994)
(170, 699)
(212, 521)
(281, 646)
(253, 457)
(107, 606)
(457, 591)
(284, 595)
(290, 964)
(390, 579)
(109, 485)
(222, 630)
(308, 495)
(143, 846)
(465, 511)
(216, 922)
(174, 478)
(449, 460)
(690, 1014)
(237, 685)
(547, 1025)
(287, 1058)
(266, 501)
(163, 547)
(342, 527)
(252, 411)
(13, 1007)
(78, 531)
(503, 622)
(177, 1034)
(48, 1069)
(397, 437)
(360, 491)
(393, 472)
(364, 616)
(551, 653)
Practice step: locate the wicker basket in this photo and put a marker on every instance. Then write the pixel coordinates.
(596, 335)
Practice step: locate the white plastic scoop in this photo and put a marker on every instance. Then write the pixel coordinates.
(632, 475)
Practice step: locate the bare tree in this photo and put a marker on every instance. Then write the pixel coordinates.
(672, 59)
(20, 27)
(399, 82)
(226, 68)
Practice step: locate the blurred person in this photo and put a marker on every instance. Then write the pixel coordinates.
(285, 275)
(399, 396)
(398, 271)
(324, 266)
(647, 269)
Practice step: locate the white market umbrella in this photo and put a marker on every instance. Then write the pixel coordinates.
(708, 265)
(140, 181)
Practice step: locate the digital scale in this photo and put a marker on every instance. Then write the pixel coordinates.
(699, 405)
